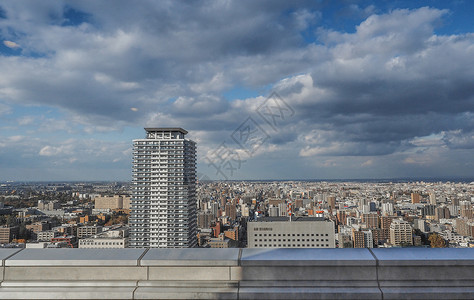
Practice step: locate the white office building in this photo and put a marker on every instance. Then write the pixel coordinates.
(301, 232)
(163, 204)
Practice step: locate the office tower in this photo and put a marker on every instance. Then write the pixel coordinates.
(415, 198)
(400, 233)
(163, 212)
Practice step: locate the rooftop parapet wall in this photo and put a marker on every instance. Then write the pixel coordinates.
(407, 273)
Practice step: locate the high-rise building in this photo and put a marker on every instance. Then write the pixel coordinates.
(230, 211)
(163, 209)
(332, 202)
(400, 233)
(371, 220)
(387, 209)
(362, 239)
(432, 198)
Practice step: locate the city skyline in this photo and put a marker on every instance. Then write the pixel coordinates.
(329, 90)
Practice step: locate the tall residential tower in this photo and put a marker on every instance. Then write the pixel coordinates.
(163, 204)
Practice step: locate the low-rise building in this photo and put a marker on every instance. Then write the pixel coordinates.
(85, 231)
(114, 238)
(47, 235)
(8, 233)
(301, 232)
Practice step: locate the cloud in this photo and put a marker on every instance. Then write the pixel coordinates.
(389, 87)
(4, 109)
(52, 151)
(11, 44)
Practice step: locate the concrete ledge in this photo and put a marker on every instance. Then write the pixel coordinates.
(408, 273)
(307, 257)
(70, 292)
(75, 273)
(76, 257)
(191, 257)
(310, 293)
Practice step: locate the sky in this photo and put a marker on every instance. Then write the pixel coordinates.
(267, 89)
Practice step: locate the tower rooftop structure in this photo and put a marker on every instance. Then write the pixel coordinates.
(166, 129)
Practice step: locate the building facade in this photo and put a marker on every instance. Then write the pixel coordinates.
(163, 204)
(109, 202)
(400, 233)
(85, 231)
(301, 232)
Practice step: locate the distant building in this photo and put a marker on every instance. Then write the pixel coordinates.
(38, 226)
(273, 211)
(432, 198)
(48, 205)
(301, 232)
(362, 239)
(204, 219)
(231, 211)
(428, 210)
(115, 238)
(232, 234)
(387, 209)
(332, 202)
(442, 213)
(465, 227)
(415, 198)
(221, 242)
(371, 220)
(112, 202)
(69, 240)
(7, 233)
(85, 231)
(421, 225)
(400, 233)
(47, 235)
(466, 209)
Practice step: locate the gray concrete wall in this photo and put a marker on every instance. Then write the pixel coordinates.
(408, 273)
